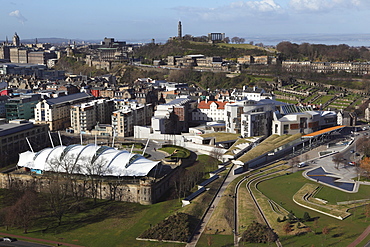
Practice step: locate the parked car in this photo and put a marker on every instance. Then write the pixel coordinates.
(302, 164)
(352, 163)
(8, 239)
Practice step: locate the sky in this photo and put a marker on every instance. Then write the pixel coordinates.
(147, 19)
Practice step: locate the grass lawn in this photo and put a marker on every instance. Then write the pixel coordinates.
(215, 240)
(287, 101)
(341, 233)
(110, 223)
(323, 99)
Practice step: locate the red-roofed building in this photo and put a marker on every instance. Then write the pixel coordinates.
(210, 111)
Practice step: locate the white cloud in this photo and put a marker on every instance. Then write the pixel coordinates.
(261, 6)
(234, 10)
(17, 14)
(324, 5)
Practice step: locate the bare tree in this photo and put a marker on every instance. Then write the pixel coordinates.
(325, 231)
(337, 159)
(24, 211)
(95, 172)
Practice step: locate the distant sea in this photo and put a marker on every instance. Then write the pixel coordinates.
(348, 39)
(327, 39)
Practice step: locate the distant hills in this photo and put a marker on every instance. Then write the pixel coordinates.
(327, 39)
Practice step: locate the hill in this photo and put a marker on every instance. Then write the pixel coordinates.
(183, 47)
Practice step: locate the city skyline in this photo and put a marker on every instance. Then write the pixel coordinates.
(145, 20)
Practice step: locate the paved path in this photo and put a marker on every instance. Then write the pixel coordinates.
(54, 243)
(210, 209)
(360, 238)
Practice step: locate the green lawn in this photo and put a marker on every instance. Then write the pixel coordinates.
(342, 233)
(109, 223)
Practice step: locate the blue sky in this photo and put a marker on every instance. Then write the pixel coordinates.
(147, 19)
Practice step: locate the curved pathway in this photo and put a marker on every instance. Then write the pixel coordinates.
(360, 238)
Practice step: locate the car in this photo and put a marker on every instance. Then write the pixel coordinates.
(8, 239)
(352, 163)
(302, 164)
(352, 151)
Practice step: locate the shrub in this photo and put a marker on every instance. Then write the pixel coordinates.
(174, 228)
(258, 233)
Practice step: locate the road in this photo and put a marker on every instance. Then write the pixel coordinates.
(22, 244)
(31, 244)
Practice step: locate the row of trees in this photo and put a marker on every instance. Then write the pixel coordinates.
(320, 52)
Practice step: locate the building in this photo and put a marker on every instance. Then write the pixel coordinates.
(16, 40)
(40, 57)
(3, 100)
(250, 117)
(85, 116)
(18, 54)
(22, 107)
(172, 117)
(56, 111)
(129, 115)
(179, 31)
(216, 37)
(303, 122)
(36, 70)
(347, 118)
(209, 111)
(122, 175)
(251, 93)
(13, 139)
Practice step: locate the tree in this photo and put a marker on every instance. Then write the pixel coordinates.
(337, 159)
(258, 233)
(367, 211)
(325, 231)
(227, 40)
(316, 224)
(286, 228)
(95, 171)
(306, 216)
(24, 211)
(235, 40)
(365, 166)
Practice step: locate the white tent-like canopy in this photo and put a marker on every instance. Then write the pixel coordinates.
(88, 160)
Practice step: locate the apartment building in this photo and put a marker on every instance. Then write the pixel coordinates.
(360, 68)
(250, 117)
(85, 116)
(56, 111)
(129, 115)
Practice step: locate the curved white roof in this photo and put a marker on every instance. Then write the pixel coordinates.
(88, 160)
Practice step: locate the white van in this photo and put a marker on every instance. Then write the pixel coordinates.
(302, 164)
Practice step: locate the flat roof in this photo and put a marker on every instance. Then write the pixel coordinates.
(323, 131)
